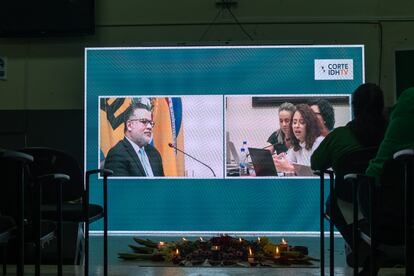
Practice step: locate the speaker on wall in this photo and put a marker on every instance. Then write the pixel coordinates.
(46, 17)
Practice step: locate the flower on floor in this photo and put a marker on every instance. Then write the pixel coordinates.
(223, 250)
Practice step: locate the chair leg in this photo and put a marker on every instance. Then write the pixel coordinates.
(373, 260)
(322, 224)
(78, 258)
(331, 248)
(409, 252)
(105, 227)
(86, 219)
(331, 227)
(37, 229)
(5, 259)
(38, 258)
(355, 232)
(59, 229)
(20, 225)
(86, 249)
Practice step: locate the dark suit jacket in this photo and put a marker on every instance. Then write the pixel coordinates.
(124, 161)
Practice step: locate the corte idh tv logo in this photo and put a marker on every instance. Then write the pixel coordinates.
(334, 69)
(340, 69)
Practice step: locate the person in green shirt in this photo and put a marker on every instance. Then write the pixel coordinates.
(399, 134)
(365, 130)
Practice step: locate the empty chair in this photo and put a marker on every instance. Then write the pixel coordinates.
(20, 202)
(105, 173)
(75, 193)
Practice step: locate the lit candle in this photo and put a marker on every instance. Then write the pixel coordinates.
(250, 257)
(176, 257)
(203, 244)
(258, 239)
(161, 244)
(277, 252)
(215, 248)
(240, 240)
(284, 245)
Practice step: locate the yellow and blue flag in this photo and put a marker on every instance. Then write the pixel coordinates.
(167, 115)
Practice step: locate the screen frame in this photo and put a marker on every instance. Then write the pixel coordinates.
(224, 186)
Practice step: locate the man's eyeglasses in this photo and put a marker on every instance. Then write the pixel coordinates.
(144, 121)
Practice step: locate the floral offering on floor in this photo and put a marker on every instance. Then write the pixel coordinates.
(219, 251)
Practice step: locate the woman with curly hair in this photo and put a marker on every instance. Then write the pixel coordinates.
(306, 138)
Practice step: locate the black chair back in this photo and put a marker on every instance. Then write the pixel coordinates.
(50, 161)
(390, 199)
(388, 205)
(388, 208)
(10, 173)
(353, 162)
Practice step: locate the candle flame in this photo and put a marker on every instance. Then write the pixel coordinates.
(184, 239)
(258, 239)
(277, 253)
(162, 243)
(240, 240)
(177, 252)
(250, 251)
(201, 239)
(283, 241)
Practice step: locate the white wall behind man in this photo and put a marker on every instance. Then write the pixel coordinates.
(203, 134)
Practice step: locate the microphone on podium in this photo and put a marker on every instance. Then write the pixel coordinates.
(174, 147)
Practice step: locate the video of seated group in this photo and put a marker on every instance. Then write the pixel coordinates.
(215, 136)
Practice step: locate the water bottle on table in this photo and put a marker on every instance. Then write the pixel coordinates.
(243, 162)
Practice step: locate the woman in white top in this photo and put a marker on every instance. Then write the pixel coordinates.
(306, 138)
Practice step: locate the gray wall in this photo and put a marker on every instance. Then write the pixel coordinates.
(47, 73)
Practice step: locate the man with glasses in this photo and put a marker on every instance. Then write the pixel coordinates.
(134, 156)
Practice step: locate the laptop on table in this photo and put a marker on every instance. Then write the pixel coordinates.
(264, 166)
(262, 162)
(303, 170)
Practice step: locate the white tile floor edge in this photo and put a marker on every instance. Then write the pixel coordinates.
(131, 270)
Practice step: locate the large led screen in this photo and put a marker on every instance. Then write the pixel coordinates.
(171, 122)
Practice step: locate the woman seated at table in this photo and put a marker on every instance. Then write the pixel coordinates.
(306, 138)
(280, 140)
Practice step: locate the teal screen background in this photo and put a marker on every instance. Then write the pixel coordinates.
(224, 205)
